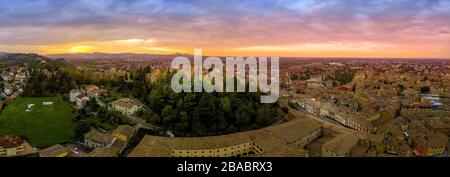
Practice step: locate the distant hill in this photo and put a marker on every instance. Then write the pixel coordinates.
(3, 54)
(13, 59)
(160, 57)
(111, 56)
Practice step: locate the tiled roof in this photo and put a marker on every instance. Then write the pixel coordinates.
(10, 141)
(271, 139)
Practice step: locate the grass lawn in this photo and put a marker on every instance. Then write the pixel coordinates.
(43, 125)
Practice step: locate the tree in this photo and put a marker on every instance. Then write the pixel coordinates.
(81, 128)
(243, 115)
(183, 125)
(169, 115)
(344, 76)
(152, 118)
(264, 116)
(285, 109)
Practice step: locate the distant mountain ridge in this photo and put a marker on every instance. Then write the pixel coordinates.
(163, 57)
(99, 55)
(3, 54)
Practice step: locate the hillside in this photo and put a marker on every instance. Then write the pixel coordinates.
(83, 56)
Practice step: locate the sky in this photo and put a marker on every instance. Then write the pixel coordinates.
(303, 28)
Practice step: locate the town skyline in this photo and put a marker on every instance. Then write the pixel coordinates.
(95, 55)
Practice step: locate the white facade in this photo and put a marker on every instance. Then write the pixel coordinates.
(81, 102)
(73, 95)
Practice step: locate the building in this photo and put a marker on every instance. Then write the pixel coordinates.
(438, 124)
(8, 89)
(92, 91)
(76, 150)
(123, 132)
(82, 101)
(431, 145)
(55, 151)
(340, 146)
(354, 120)
(95, 139)
(287, 139)
(1, 105)
(126, 106)
(396, 139)
(11, 145)
(315, 148)
(314, 83)
(113, 151)
(396, 145)
(73, 94)
(437, 144)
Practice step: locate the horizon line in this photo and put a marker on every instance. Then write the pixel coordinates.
(178, 53)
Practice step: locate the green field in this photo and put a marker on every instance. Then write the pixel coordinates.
(43, 125)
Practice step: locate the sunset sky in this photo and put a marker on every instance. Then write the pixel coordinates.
(314, 28)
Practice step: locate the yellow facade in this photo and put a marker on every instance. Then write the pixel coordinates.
(120, 137)
(11, 151)
(232, 151)
(64, 154)
(436, 151)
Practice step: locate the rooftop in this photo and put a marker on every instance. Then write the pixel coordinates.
(343, 143)
(53, 151)
(113, 151)
(125, 130)
(270, 139)
(100, 137)
(10, 141)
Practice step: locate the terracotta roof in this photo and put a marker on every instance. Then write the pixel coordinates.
(53, 151)
(100, 137)
(342, 144)
(438, 140)
(81, 96)
(270, 139)
(125, 130)
(10, 141)
(113, 151)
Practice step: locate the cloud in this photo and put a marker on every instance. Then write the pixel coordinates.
(225, 23)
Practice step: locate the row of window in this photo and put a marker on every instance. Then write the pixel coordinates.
(217, 151)
(95, 143)
(225, 155)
